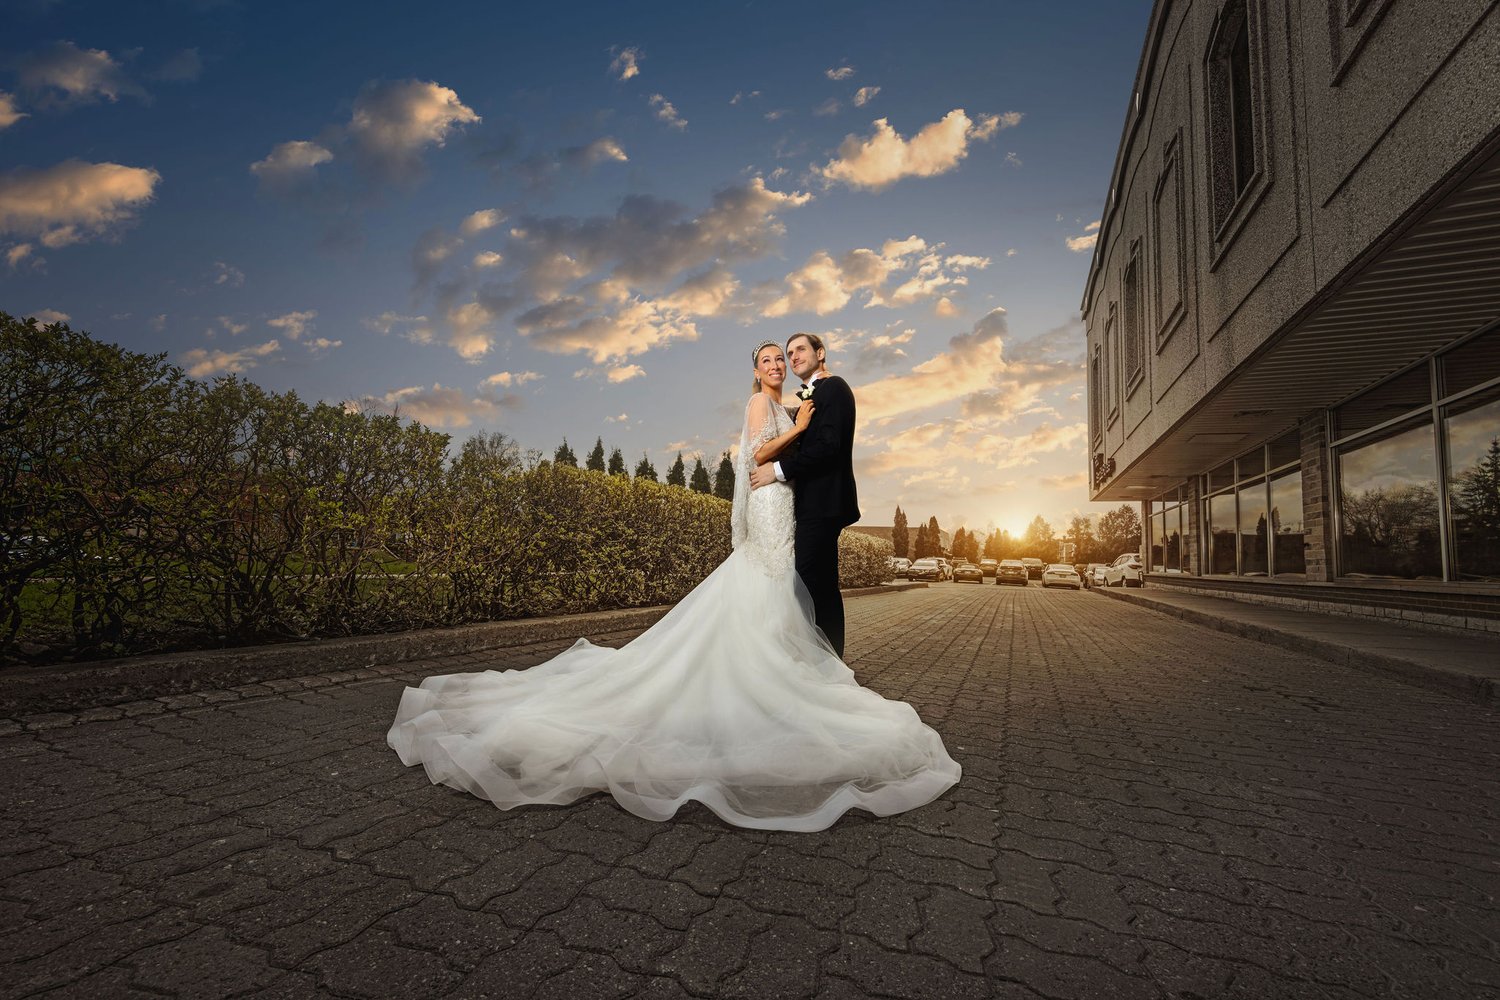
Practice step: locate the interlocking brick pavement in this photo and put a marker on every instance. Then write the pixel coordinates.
(1148, 809)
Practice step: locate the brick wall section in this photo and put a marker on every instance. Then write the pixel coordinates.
(1317, 496)
(1192, 547)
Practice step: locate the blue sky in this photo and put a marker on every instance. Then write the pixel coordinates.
(578, 220)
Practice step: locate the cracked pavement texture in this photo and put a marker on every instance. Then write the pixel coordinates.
(1148, 809)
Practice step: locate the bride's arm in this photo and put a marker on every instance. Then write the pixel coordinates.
(774, 447)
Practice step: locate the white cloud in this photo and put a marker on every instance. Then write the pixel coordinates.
(202, 363)
(228, 275)
(824, 284)
(62, 73)
(478, 222)
(569, 325)
(1012, 159)
(394, 121)
(626, 64)
(885, 157)
(740, 95)
(602, 150)
(46, 317)
(293, 324)
(9, 113)
(506, 380)
(828, 107)
(73, 201)
(417, 329)
(17, 254)
(839, 73)
(487, 258)
(289, 163)
(231, 327)
(1079, 244)
(441, 406)
(864, 95)
(666, 112)
(320, 345)
(618, 419)
(944, 308)
(624, 373)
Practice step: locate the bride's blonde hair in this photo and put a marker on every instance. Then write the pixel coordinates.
(755, 359)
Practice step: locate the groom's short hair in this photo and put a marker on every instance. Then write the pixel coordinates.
(813, 339)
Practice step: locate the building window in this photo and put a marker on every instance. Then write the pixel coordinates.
(1096, 425)
(1254, 530)
(1168, 243)
(1234, 127)
(1221, 533)
(1135, 334)
(1167, 527)
(1388, 507)
(1254, 515)
(1288, 533)
(1112, 364)
(1473, 436)
(1417, 459)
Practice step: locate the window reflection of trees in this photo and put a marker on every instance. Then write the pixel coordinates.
(1388, 508)
(1474, 491)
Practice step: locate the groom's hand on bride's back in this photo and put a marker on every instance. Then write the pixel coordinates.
(762, 475)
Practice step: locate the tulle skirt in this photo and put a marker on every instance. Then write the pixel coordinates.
(733, 699)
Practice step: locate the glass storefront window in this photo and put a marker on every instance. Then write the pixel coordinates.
(1474, 491)
(1286, 450)
(1252, 463)
(1172, 534)
(1221, 477)
(1159, 540)
(1221, 532)
(1253, 530)
(1388, 508)
(1287, 531)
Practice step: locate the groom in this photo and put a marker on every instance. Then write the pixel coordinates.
(820, 467)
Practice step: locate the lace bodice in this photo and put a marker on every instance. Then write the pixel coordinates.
(763, 519)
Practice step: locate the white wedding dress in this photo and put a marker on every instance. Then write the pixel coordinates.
(733, 699)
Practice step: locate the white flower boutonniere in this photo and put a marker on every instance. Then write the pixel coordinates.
(805, 394)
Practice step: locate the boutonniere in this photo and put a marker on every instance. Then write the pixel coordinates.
(805, 394)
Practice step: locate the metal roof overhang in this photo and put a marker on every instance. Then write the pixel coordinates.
(1410, 295)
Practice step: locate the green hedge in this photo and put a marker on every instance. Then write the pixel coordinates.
(142, 511)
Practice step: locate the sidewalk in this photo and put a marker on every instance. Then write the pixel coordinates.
(1466, 666)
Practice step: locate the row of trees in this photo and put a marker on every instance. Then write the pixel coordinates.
(721, 485)
(1086, 541)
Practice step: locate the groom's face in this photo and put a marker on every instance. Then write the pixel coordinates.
(801, 356)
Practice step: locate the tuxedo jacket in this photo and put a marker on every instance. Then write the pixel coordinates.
(820, 466)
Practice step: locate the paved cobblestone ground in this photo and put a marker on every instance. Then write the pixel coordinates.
(1148, 809)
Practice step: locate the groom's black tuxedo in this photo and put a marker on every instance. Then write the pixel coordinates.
(820, 468)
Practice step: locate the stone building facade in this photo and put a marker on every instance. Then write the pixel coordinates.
(1293, 308)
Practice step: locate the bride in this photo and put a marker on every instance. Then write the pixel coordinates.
(734, 698)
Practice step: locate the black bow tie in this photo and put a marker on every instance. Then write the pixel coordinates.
(806, 386)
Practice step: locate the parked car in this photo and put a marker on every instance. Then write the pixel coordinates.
(968, 571)
(988, 566)
(1061, 575)
(1125, 571)
(1034, 567)
(1093, 575)
(947, 566)
(1012, 571)
(899, 565)
(926, 568)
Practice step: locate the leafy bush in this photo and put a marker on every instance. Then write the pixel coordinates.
(864, 560)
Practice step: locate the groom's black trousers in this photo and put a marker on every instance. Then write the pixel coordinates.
(817, 554)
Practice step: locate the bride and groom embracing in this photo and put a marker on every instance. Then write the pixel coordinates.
(738, 697)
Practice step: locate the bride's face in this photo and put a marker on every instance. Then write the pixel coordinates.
(770, 365)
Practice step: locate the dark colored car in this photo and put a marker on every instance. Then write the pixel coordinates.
(968, 571)
(925, 569)
(988, 566)
(1034, 567)
(1012, 571)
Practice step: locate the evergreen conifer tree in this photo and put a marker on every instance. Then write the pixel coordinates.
(724, 478)
(596, 457)
(900, 537)
(934, 537)
(700, 481)
(921, 549)
(645, 470)
(564, 455)
(677, 474)
(616, 463)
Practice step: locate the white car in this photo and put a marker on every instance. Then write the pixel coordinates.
(898, 566)
(1125, 571)
(1094, 575)
(1061, 575)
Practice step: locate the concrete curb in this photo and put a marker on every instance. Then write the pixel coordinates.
(68, 687)
(1469, 687)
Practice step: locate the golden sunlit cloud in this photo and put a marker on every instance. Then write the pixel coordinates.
(62, 73)
(9, 112)
(293, 324)
(201, 363)
(1078, 244)
(666, 112)
(441, 406)
(885, 157)
(626, 64)
(73, 201)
